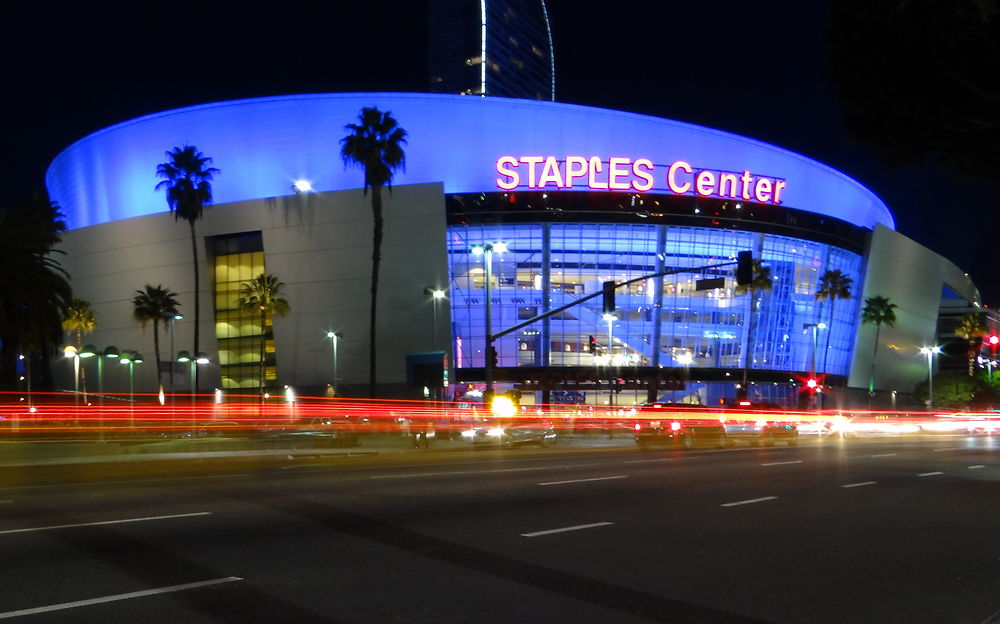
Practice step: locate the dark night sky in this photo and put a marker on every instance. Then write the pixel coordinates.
(753, 68)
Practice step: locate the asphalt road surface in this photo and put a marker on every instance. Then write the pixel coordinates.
(867, 530)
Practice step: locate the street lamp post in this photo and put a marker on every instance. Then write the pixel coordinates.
(611, 318)
(487, 252)
(173, 323)
(436, 295)
(930, 352)
(812, 358)
(131, 358)
(198, 359)
(335, 338)
(70, 352)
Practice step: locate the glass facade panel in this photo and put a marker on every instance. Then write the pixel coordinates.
(661, 321)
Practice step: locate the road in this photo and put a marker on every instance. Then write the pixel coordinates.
(865, 530)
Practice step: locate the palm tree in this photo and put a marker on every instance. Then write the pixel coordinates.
(80, 319)
(187, 178)
(156, 304)
(761, 281)
(262, 294)
(878, 311)
(34, 291)
(376, 145)
(833, 285)
(972, 328)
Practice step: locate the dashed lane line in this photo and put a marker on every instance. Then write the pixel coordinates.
(578, 527)
(882, 455)
(797, 461)
(861, 484)
(583, 480)
(125, 521)
(749, 501)
(952, 448)
(930, 474)
(976, 467)
(647, 461)
(137, 594)
(475, 472)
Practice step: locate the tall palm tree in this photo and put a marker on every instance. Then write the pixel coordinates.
(972, 329)
(80, 319)
(376, 145)
(878, 311)
(155, 303)
(761, 281)
(34, 290)
(187, 178)
(263, 294)
(833, 285)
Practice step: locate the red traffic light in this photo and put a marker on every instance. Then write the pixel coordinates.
(812, 384)
(994, 340)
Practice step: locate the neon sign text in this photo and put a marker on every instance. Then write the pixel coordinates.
(639, 175)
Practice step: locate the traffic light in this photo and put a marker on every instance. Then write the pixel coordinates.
(994, 340)
(744, 268)
(812, 385)
(609, 297)
(593, 344)
(491, 355)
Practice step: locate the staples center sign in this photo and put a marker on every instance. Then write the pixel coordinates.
(640, 175)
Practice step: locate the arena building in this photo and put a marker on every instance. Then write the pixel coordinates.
(578, 196)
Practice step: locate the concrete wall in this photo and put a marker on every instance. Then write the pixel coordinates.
(318, 244)
(912, 277)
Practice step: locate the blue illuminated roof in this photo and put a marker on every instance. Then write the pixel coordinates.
(262, 146)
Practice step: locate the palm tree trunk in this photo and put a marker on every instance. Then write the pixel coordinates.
(376, 260)
(197, 303)
(871, 380)
(263, 339)
(745, 389)
(156, 354)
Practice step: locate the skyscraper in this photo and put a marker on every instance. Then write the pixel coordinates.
(492, 47)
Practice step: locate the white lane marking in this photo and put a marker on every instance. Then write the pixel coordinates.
(953, 448)
(976, 467)
(126, 520)
(882, 455)
(647, 461)
(797, 461)
(583, 480)
(4, 502)
(930, 474)
(749, 501)
(861, 484)
(475, 472)
(136, 594)
(578, 527)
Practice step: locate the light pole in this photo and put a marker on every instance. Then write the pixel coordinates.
(436, 295)
(109, 352)
(685, 359)
(812, 357)
(611, 318)
(993, 341)
(487, 252)
(131, 358)
(70, 352)
(173, 323)
(193, 362)
(930, 352)
(335, 338)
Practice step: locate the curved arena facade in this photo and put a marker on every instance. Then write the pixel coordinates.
(578, 196)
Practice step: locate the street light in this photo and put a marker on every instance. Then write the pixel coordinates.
(335, 338)
(109, 352)
(436, 295)
(173, 323)
(70, 351)
(199, 358)
(812, 358)
(487, 251)
(131, 358)
(930, 352)
(611, 318)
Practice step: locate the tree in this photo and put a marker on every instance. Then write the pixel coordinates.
(34, 290)
(262, 294)
(80, 319)
(921, 79)
(375, 145)
(878, 311)
(972, 328)
(155, 303)
(833, 285)
(761, 281)
(187, 178)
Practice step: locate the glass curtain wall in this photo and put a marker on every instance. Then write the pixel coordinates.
(661, 321)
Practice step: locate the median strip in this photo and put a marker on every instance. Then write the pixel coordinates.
(749, 501)
(137, 594)
(583, 480)
(861, 484)
(578, 527)
(83, 524)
